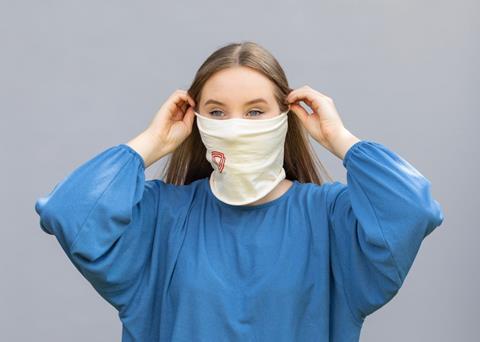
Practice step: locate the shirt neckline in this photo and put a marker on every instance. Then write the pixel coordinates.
(273, 202)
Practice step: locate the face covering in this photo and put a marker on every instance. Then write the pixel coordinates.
(246, 156)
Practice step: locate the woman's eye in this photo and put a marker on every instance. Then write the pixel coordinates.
(258, 111)
(215, 111)
(218, 113)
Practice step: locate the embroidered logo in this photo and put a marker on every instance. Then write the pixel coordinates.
(219, 159)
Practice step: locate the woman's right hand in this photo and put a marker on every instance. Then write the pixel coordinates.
(169, 128)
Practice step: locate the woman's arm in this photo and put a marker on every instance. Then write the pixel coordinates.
(379, 218)
(377, 223)
(104, 216)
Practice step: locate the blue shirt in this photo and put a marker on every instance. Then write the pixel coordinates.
(181, 265)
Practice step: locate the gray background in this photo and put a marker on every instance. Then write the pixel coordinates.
(78, 77)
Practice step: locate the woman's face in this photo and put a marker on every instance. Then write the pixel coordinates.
(238, 92)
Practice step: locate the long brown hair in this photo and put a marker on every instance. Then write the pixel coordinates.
(188, 162)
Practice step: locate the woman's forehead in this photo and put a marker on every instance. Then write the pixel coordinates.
(237, 86)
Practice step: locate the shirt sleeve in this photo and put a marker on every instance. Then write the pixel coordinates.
(104, 216)
(377, 223)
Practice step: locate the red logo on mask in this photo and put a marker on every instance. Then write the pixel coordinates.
(219, 159)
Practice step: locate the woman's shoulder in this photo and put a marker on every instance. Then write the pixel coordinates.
(175, 194)
(325, 188)
(314, 195)
(161, 183)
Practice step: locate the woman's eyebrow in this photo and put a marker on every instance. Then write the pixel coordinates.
(246, 103)
(256, 101)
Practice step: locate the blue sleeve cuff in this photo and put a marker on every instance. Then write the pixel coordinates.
(351, 150)
(135, 153)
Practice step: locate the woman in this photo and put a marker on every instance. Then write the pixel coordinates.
(242, 241)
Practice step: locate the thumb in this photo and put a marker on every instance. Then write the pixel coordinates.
(188, 117)
(299, 111)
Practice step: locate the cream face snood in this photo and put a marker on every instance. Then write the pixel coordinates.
(246, 156)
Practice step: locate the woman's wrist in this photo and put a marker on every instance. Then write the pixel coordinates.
(340, 143)
(148, 146)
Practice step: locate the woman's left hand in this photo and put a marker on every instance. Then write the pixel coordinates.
(324, 123)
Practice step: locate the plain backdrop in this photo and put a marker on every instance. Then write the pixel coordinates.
(80, 76)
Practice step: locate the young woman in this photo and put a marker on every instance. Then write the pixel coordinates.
(242, 240)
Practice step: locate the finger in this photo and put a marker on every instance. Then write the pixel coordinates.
(184, 106)
(186, 97)
(306, 88)
(188, 117)
(300, 94)
(306, 95)
(299, 111)
(188, 100)
(187, 103)
(178, 101)
(191, 100)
